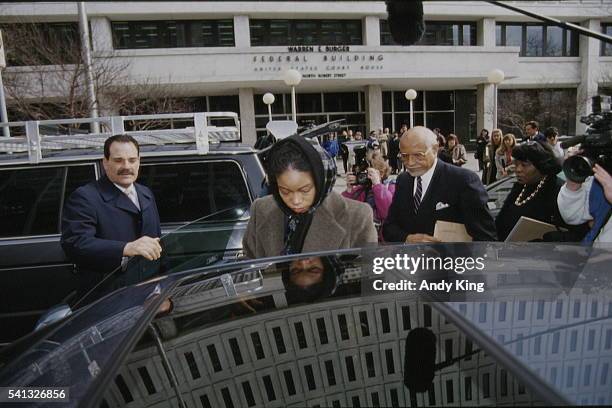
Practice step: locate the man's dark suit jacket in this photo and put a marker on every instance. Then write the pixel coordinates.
(458, 190)
(99, 220)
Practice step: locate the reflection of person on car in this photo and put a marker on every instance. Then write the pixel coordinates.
(303, 214)
(309, 279)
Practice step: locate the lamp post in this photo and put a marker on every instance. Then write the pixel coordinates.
(495, 77)
(292, 78)
(411, 95)
(268, 99)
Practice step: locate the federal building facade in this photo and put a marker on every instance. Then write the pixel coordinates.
(226, 55)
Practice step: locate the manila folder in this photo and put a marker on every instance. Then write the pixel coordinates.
(447, 231)
(528, 229)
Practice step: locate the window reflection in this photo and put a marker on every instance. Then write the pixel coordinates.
(606, 48)
(437, 33)
(172, 34)
(305, 32)
(538, 40)
(533, 42)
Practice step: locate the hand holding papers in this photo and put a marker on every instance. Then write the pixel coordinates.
(451, 232)
(528, 229)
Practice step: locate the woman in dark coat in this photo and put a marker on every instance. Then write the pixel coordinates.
(534, 195)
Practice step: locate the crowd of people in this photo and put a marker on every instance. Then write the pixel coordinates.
(111, 219)
(539, 192)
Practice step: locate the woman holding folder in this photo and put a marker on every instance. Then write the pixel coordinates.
(534, 195)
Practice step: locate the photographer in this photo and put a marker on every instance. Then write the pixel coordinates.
(589, 201)
(587, 194)
(370, 184)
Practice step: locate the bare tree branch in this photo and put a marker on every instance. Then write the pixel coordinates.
(46, 78)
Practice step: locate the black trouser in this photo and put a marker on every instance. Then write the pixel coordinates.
(344, 154)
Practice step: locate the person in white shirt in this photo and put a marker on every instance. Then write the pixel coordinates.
(591, 202)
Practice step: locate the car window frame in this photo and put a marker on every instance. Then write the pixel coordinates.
(199, 161)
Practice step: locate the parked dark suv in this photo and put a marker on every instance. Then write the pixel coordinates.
(195, 172)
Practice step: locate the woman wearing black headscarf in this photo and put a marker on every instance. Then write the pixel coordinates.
(534, 195)
(304, 214)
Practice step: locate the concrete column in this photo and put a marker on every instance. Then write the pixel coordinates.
(242, 33)
(486, 32)
(589, 73)
(101, 34)
(371, 31)
(374, 117)
(484, 107)
(247, 116)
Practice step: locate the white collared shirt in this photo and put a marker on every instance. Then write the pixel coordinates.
(425, 180)
(130, 192)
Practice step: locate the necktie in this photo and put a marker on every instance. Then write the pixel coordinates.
(131, 193)
(417, 194)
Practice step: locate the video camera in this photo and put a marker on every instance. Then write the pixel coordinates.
(596, 144)
(360, 168)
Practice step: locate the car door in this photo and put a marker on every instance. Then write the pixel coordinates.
(34, 272)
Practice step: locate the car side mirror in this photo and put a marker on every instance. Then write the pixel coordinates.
(53, 315)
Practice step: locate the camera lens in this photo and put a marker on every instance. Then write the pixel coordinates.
(578, 168)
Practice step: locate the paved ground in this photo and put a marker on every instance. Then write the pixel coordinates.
(340, 185)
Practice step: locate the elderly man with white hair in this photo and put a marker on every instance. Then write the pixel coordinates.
(431, 190)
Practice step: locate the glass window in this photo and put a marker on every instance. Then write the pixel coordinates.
(188, 191)
(46, 43)
(554, 41)
(443, 120)
(532, 103)
(305, 32)
(30, 200)
(534, 41)
(278, 107)
(309, 103)
(172, 34)
(498, 35)
(514, 36)
(437, 33)
(404, 118)
(401, 104)
(78, 176)
(606, 48)
(224, 103)
(440, 100)
(537, 40)
(341, 102)
(387, 96)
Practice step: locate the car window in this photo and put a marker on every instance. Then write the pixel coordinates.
(188, 191)
(31, 198)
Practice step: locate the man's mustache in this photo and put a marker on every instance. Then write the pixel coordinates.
(125, 172)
